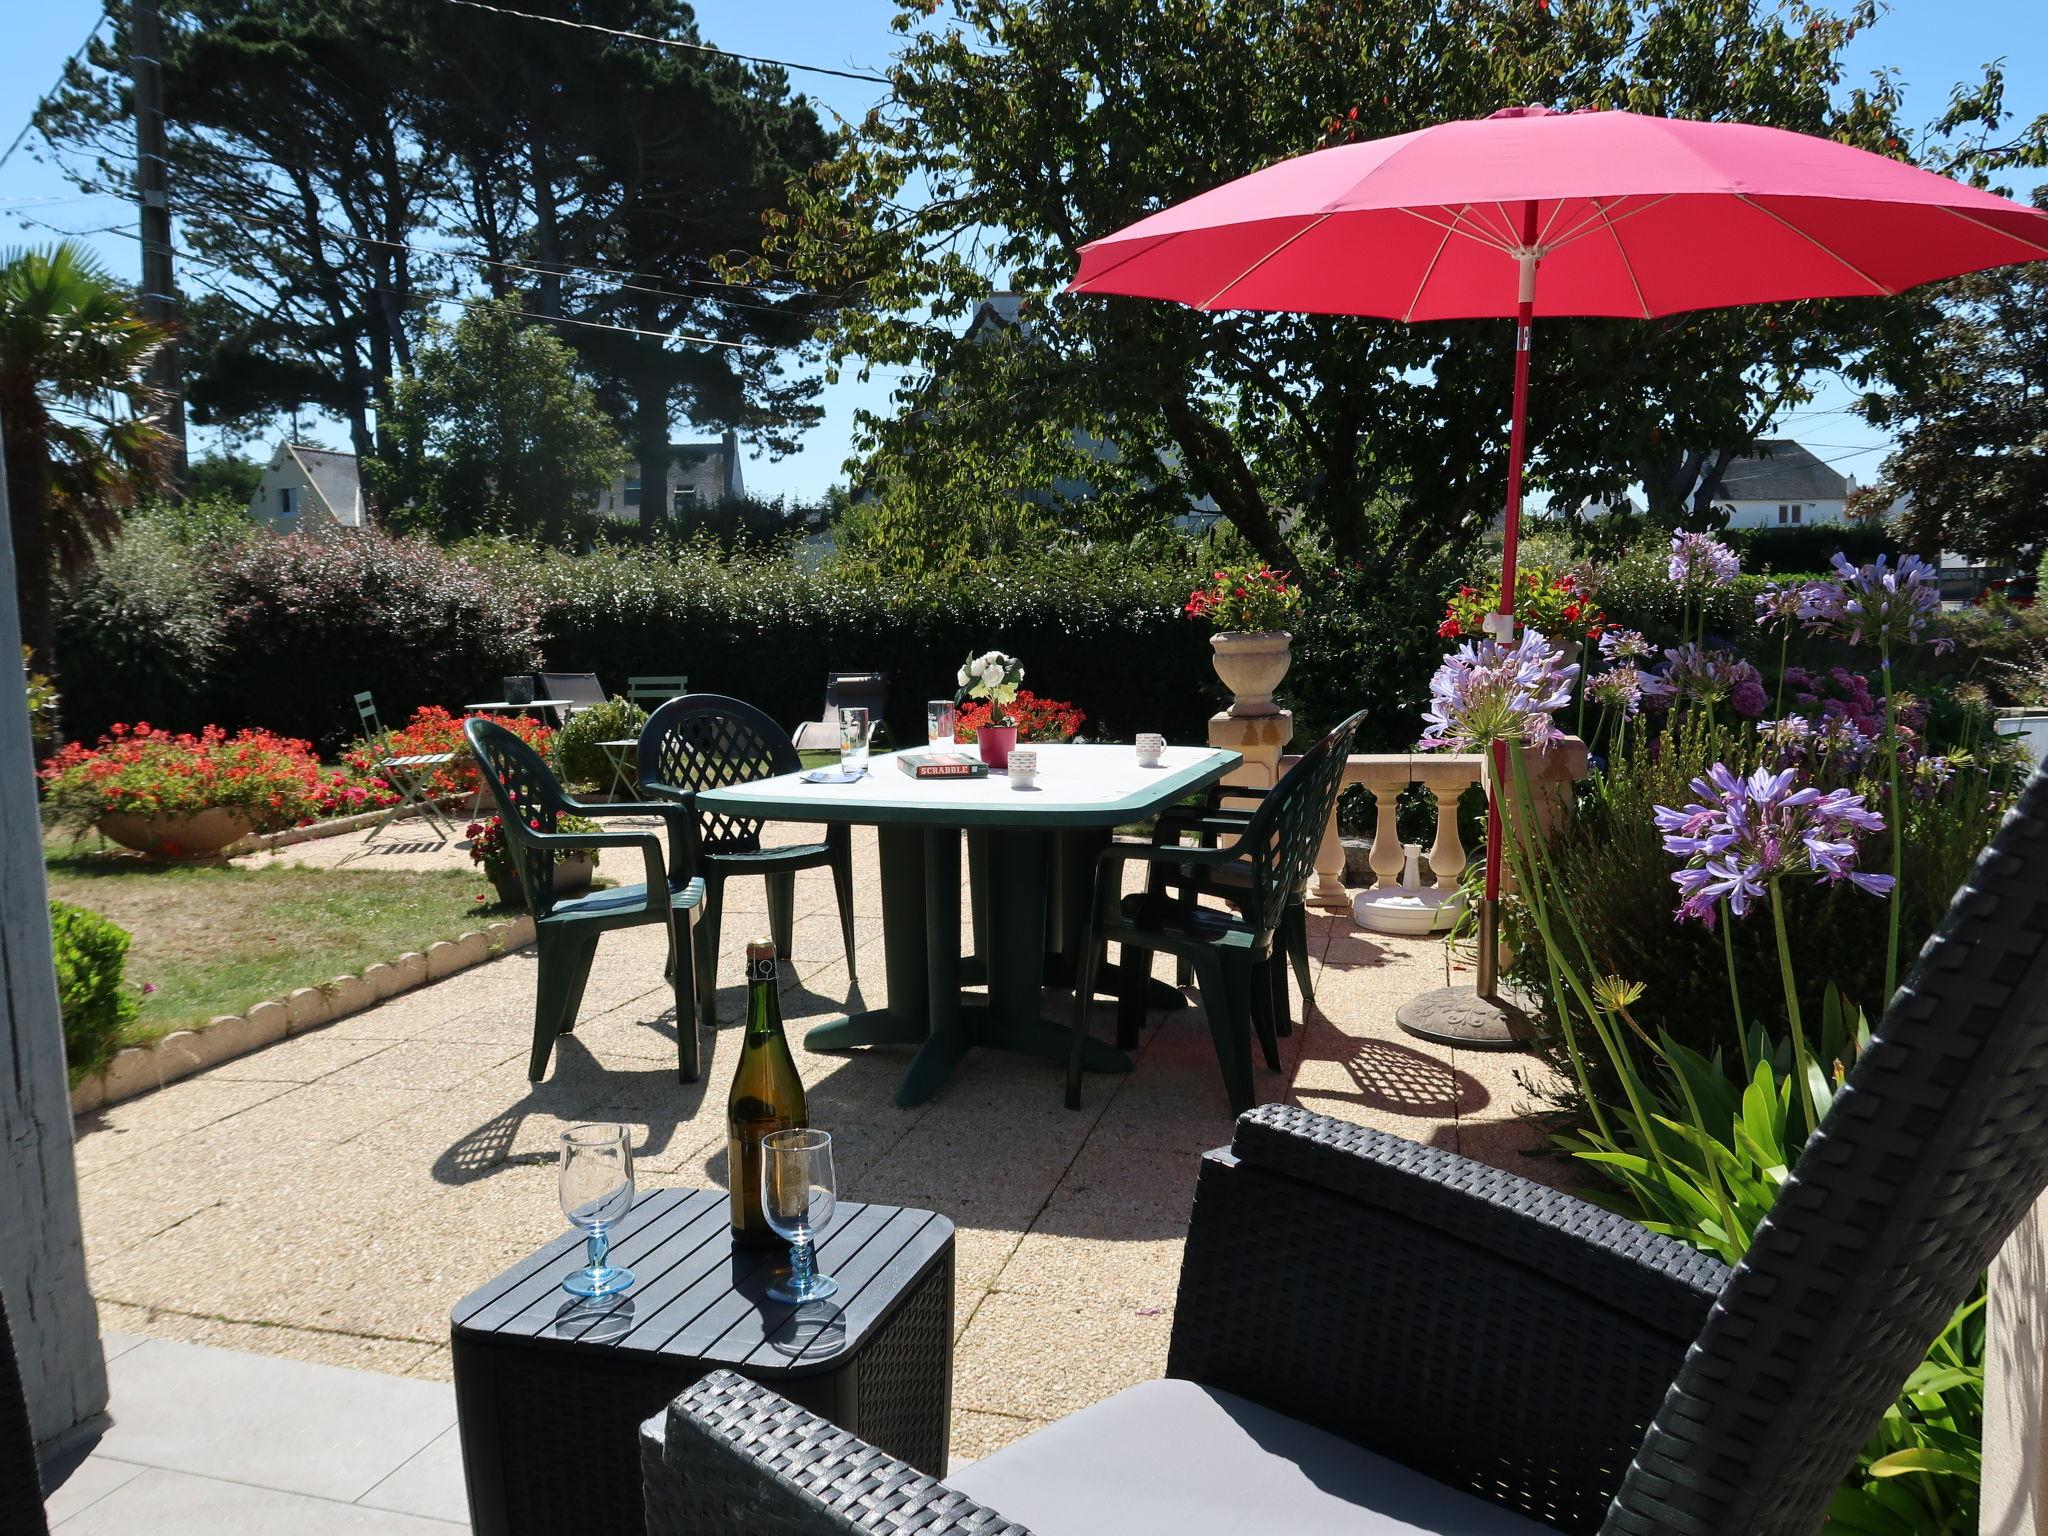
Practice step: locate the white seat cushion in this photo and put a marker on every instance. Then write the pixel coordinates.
(1175, 1456)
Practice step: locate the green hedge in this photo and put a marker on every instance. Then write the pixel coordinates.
(1811, 546)
(1096, 627)
(91, 954)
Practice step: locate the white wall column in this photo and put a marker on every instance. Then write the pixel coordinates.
(42, 1252)
(2016, 1384)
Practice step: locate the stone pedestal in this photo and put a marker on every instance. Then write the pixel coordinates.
(1261, 738)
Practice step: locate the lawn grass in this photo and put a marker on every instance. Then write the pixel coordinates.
(220, 939)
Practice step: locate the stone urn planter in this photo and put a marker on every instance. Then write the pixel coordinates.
(1252, 666)
(177, 837)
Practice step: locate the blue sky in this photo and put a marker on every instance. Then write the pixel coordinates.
(1932, 43)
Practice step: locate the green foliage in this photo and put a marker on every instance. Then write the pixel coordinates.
(42, 700)
(222, 477)
(1016, 132)
(767, 628)
(199, 522)
(1637, 593)
(1971, 426)
(78, 433)
(139, 635)
(1919, 1474)
(1607, 866)
(493, 431)
(578, 757)
(91, 954)
(308, 622)
(1809, 547)
(1366, 638)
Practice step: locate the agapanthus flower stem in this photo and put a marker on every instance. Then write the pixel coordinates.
(1799, 1055)
(1898, 820)
(1735, 993)
(1784, 651)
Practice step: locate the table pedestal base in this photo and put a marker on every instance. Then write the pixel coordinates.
(922, 954)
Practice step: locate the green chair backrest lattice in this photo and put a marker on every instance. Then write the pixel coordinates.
(528, 796)
(1281, 839)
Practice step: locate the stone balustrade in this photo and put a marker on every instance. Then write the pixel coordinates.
(1446, 776)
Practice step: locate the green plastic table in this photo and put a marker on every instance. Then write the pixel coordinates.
(1033, 852)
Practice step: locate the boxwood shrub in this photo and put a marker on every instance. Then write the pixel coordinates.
(97, 1007)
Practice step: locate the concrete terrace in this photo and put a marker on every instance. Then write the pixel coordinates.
(328, 1198)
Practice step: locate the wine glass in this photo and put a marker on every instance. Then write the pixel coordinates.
(853, 740)
(596, 1189)
(798, 1193)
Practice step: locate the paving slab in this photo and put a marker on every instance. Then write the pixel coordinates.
(286, 1425)
(333, 1202)
(165, 1503)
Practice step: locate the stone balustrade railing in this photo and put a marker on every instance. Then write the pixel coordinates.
(1445, 776)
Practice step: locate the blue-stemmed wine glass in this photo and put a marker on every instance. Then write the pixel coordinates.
(596, 1188)
(798, 1194)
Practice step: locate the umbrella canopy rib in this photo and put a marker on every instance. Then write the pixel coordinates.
(1818, 244)
(1212, 301)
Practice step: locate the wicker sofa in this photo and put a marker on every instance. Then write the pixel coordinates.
(1373, 1336)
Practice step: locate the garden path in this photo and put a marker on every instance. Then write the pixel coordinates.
(330, 1197)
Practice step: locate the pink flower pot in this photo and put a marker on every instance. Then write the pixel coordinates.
(996, 742)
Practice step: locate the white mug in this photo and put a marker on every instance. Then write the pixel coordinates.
(1151, 747)
(1023, 768)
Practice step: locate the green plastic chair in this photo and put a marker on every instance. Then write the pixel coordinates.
(1232, 954)
(530, 803)
(707, 741)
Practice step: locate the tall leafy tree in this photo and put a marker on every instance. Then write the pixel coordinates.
(81, 437)
(686, 158)
(494, 431)
(302, 186)
(1972, 460)
(1017, 131)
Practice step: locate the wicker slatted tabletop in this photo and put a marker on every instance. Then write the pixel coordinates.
(550, 1393)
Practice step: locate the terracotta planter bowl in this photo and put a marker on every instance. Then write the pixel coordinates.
(177, 837)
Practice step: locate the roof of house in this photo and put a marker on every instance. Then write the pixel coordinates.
(1778, 470)
(334, 478)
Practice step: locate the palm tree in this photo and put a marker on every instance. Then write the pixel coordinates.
(77, 420)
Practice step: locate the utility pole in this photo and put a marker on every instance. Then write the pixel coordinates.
(153, 198)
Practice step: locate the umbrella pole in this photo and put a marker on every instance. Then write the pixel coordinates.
(1502, 623)
(1478, 1017)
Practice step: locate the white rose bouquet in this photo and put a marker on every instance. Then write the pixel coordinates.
(995, 677)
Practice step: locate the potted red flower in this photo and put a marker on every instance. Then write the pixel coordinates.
(1250, 607)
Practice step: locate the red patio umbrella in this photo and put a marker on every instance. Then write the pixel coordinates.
(1534, 212)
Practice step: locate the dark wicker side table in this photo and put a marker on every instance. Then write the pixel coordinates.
(550, 1396)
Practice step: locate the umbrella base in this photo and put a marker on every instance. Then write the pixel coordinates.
(1459, 1016)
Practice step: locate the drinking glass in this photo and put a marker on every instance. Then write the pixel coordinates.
(596, 1189)
(942, 718)
(798, 1193)
(853, 740)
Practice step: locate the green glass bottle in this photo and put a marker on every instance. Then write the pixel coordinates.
(767, 1095)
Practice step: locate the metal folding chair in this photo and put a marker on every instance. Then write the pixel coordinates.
(650, 693)
(411, 774)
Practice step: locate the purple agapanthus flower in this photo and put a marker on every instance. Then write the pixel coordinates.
(1742, 833)
(1701, 558)
(1487, 692)
(1705, 675)
(1787, 739)
(1876, 604)
(1626, 645)
(1780, 605)
(1619, 687)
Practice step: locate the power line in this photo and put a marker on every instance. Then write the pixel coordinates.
(670, 42)
(8, 153)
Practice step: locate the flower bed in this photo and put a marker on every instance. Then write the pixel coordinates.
(434, 730)
(268, 781)
(1036, 719)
